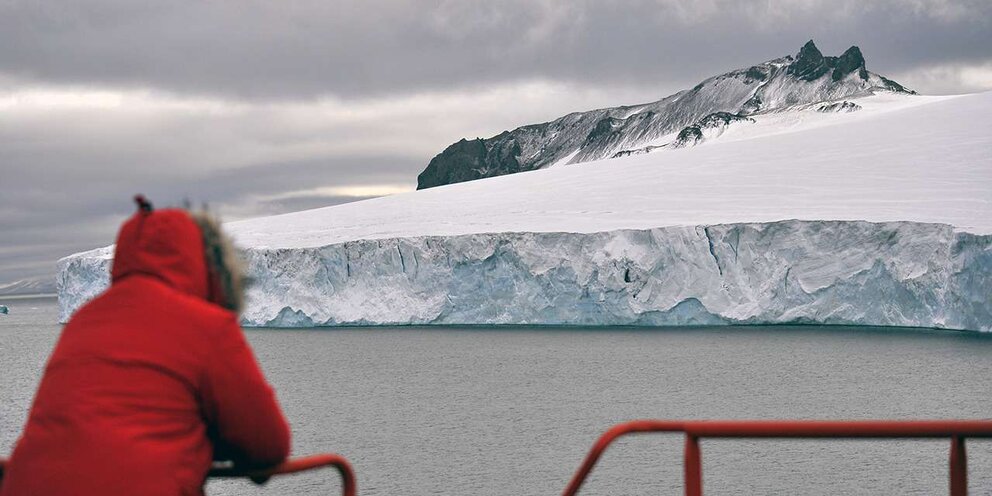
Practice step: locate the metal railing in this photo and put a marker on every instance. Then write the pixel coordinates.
(956, 430)
(291, 466)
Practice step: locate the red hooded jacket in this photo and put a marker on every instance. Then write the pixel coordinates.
(148, 382)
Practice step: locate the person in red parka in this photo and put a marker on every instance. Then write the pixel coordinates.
(152, 380)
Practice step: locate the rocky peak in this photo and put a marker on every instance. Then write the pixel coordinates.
(809, 53)
(849, 61)
(851, 57)
(809, 64)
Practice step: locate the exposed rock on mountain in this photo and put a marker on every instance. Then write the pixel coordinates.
(710, 125)
(844, 106)
(807, 78)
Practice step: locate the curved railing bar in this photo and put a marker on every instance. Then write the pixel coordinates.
(291, 466)
(294, 465)
(956, 430)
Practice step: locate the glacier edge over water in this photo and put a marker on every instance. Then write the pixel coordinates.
(895, 231)
(793, 271)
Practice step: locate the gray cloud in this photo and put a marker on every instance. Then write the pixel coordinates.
(300, 49)
(255, 106)
(71, 158)
(49, 220)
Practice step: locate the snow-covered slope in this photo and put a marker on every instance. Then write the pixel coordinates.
(699, 235)
(805, 79)
(28, 287)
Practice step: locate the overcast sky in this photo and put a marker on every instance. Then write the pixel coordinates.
(262, 107)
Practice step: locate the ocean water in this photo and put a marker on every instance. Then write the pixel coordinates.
(496, 411)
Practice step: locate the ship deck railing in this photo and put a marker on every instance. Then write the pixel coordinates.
(955, 430)
(293, 465)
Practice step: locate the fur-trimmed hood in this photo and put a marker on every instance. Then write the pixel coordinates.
(187, 250)
(223, 263)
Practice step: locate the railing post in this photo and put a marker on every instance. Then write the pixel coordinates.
(959, 467)
(693, 467)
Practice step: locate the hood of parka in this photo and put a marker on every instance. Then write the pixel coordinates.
(187, 251)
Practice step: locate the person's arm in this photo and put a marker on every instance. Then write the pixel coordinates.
(244, 418)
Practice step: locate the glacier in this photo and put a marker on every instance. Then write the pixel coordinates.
(826, 272)
(881, 216)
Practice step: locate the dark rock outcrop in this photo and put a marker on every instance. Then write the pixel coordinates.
(467, 160)
(810, 63)
(694, 134)
(835, 107)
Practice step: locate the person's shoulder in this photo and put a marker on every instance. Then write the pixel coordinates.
(210, 315)
(199, 317)
(212, 326)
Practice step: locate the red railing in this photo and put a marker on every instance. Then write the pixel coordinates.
(956, 430)
(291, 466)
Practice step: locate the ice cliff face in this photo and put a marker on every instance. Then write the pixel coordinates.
(830, 272)
(807, 78)
(81, 277)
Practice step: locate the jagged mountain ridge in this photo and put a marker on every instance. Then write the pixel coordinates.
(807, 78)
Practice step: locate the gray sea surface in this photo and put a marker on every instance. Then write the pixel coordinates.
(500, 411)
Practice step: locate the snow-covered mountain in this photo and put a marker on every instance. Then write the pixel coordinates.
(871, 210)
(680, 120)
(28, 286)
